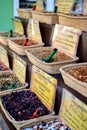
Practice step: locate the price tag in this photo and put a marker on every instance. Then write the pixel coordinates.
(85, 7)
(64, 6)
(19, 68)
(66, 39)
(39, 5)
(18, 27)
(73, 112)
(34, 31)
(44, 86)
(4, 56)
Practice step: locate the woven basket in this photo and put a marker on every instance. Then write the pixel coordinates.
(4, 40)
(38, 122)
(36, 54)
(79, 22)
(24, 13)
(11, 90)
(72, 82)
(45, 17)
(17, 124)
(21, 49)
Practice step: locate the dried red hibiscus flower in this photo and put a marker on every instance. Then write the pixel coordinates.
(24, 105)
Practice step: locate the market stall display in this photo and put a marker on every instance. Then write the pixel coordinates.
(18, 32)
(29, 105)
(74, 13)
(66, 54)
(13, 80)
(34, 39)
(75, 76)
(70, 114)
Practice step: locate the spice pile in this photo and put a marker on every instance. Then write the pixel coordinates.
(24, 105)
(79, 73)
(25, 42)
(9, 81)
(58, 57)
(48, 125)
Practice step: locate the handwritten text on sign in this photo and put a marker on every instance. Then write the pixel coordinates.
(4, 56)
(85, 7)
(66, 39)
(64, 6)
(73, 112)
(19, 67)
(39, 5)
(44, 86)
(34, 31)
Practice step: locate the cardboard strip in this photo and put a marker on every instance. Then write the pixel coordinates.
(4, 56)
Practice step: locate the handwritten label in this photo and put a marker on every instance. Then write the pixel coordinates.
(19, 67)
(34, 31)
(85, 7)
(66, 39)
(73, 112)
(39, 5)
(4, 56)
(18, 27)
(44, 86)
(64, 6)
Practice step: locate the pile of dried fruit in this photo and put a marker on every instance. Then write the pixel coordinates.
(55, 124)
(24, 105)
(3, 67)
(79, 73)
(9, 81)
(25, 42)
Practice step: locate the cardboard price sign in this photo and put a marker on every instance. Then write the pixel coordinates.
(64, 6)
(4, 56)
(34, 31)
(73, 112)
(39, 5)
(85, 7)
(18, 27)
(66, 39)
(19, 68)
(44, 86)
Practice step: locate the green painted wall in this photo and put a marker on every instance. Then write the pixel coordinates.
(6, 15)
